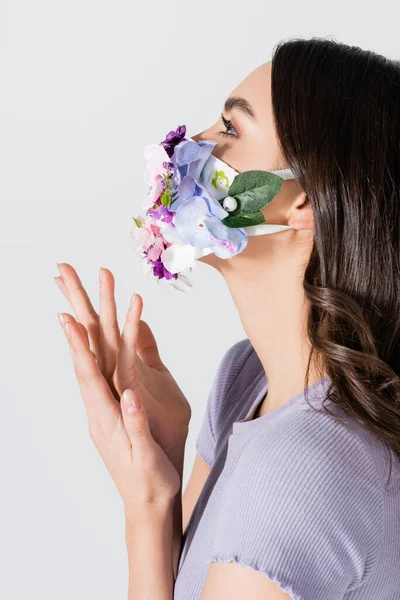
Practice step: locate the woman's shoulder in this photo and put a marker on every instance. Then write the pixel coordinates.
(320, 440)
(240, 365)
(235, 358)
(238, 370)
(318, 430)
(306, 503)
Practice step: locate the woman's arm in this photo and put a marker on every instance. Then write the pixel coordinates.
(152, 579)
(145, 476)
(154, 547)
(177, 516)
(198, 477)
(150, 556)
(185, 502)
(131, 359)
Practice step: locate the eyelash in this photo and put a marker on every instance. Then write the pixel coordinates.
(228, 124)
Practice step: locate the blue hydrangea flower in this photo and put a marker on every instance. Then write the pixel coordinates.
(190, 157)
(198, 222)
(198, 215)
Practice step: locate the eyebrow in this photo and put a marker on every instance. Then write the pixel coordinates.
(241, 104)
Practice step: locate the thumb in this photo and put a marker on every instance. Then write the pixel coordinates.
(136, 422)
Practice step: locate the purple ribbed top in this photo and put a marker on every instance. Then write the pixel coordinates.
(293, 494)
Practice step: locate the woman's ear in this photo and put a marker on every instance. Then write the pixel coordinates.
(301, 215)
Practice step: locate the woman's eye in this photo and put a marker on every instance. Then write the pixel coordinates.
(229, 128)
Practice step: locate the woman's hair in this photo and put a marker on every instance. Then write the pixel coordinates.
(337, 116)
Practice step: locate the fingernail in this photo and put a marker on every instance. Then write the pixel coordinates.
(131, 401)
(67, 329)
(61, 319)
(101, 274)
(133, 299)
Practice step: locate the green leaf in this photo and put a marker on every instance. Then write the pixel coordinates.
(166, 198)
(244, 219)
(254, 189)
(138, 223)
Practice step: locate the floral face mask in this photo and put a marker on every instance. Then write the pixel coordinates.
(198, 205)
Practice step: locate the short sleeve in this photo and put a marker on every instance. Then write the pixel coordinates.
(227, 372)
(304, 506)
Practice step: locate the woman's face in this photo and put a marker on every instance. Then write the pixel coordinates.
(245, 132)
(246, 140)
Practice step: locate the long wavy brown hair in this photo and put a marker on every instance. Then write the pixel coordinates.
(337, 116)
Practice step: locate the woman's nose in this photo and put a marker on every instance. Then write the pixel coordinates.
(197, 137)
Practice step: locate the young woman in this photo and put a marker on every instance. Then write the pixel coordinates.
(295, 492)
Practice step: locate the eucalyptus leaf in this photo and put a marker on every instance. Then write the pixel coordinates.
(244, 219)
(254, 189)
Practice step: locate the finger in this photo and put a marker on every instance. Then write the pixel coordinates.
(136, 424)
(66, 317)
(109, 335)
(59, 281)
(85, 333)
(137, 338)
(126, 360)
(76, 293)
(80, 303)
(101, 407)
(147, 348)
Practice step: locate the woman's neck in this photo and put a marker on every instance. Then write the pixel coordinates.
(273, 310)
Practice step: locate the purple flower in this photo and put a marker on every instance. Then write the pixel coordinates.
(173, 138)
(160, 271)
(162, 213)
(168, 166)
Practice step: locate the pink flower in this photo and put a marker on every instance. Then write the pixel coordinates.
(144, 236)
(155, 157)
(156, 249)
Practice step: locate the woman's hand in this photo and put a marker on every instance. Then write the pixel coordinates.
(142, 472)
(130, 360)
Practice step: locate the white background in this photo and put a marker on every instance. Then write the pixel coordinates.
(84, 86)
